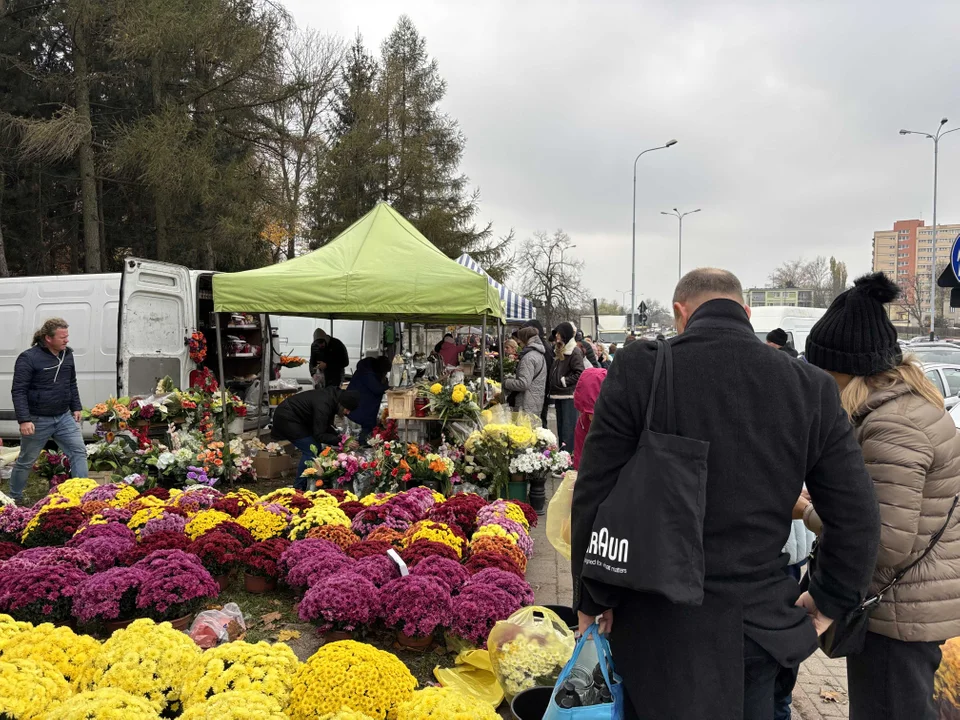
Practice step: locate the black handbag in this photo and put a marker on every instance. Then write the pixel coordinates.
(847, 635)
(648, 533)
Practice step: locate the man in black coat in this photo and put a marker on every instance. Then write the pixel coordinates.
(781, 341)
(719, 660)
(328, 357)
(306, 420)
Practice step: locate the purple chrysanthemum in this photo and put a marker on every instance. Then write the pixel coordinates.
(109, 595)
(508, 582)
(378, 569)
(300, 550)
(343, 601)
(416, 606)
(449, 572)
(477, 609)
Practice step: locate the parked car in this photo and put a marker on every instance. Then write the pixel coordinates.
(939, 352)
(955, 414)
(945, 378)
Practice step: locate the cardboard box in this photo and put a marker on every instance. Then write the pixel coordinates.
(272, 467)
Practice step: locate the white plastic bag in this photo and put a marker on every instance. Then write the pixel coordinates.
(214, 627)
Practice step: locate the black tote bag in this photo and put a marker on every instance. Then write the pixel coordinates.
(648, 533)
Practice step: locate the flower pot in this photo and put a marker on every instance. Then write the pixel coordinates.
(335, 635)
(257, 584)
(434, 485)
(538, 494)
(182, 623)
(517, 491)
(531, 704)
(111, 626)
(224, 581)
(414, 643)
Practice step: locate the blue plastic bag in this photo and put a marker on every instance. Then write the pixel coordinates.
(607, 711)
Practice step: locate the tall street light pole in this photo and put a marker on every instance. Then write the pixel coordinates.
(633, 260)
(680, 216)
(933, 261)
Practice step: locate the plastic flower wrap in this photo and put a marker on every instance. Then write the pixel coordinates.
(368, 548)
(38, 593)
(451, 574)
(439, 703)
(103, 704)
(109, 595)
(263, 522)
(219, 552)
(67, 651)
(149, 545)
(423, 549)
(342, 601)
(482, 560)
(416, 605)
(501, 546)
(378, 569)
(317, 516)
(53, 526)
(352, 675)
(176, 582)
(204, 521)
(460, 510)
(341, 536)
(146, 660)
(240, 666)
(29, 688)
(437, 532)
(477, 609)
(506, 581)
(309, 571)
(262, 558)
(302, 549)
(530, 648)
(236, 705)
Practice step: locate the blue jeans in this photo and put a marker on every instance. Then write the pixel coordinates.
(566, 423)
(306, 456)
(66, 432)
(786, 677)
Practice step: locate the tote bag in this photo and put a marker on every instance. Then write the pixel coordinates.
(648, 534)
(605, 711)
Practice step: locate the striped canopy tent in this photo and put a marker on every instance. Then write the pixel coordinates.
(519, 309)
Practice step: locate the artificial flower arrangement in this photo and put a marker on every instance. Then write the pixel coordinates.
(115, 412)
(291, 361)
(454, 402)
(335, 468)
(197, 345)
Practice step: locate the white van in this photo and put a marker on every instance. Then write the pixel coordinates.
(795, 321)
(129, 329)
(293, 335)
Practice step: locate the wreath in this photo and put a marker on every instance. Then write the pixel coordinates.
(198, 347)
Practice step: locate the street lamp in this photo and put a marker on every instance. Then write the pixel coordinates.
(633, 261)
(933, 260)
(680, 216)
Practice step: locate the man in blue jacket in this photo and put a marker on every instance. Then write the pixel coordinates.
(47, 403)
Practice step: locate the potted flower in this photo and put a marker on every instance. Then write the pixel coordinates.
(109, 597)
(39, 593)
(453, 403)
(52, 467)
(53, 525)
(175, 585)
(219, 552)
(260, 564)
(477, 609)
(415, 606)
(340, 603)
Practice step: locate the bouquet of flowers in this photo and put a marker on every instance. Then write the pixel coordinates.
(176, 583)
(453, 403)
(263, 558)
(341, 601)
(527, 651)
(109, 595)
(336, 468)
(115, 412)
(197, 343)
(416, 605)
(52, 467)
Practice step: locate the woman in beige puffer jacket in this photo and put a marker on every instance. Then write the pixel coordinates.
(912, 451)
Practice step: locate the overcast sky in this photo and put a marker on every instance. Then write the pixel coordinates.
(787, 117)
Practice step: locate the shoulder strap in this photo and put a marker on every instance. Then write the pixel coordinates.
(657, 372)
(671, 406)
(933, 541)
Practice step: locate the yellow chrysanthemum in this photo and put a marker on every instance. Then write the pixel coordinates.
(103, 704)
(76, 488)
(204, 521)
(28, 688)
(370, 500)
(321, 498)
(143, 659)
(437, 532)
(352, 675)
(126, 495)
(56, 501)
(60, 646)
(142, 517)
(262, 523)
(317, 516)
(236, 705)
(436, 388)
(495, 531)
(530, 657)
(345, 714)
(9, 628)
(263, 669)
(439, 703)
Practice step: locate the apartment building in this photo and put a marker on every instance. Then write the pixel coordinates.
(778, 297)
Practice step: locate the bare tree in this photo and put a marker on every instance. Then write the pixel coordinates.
(788, 275)
(549, 278)
(820, 275)
(911, 301)
(658, 313)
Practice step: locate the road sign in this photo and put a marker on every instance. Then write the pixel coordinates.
(643, 308)
(955, 258)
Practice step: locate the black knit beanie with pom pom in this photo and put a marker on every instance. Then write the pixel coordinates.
(855, 336)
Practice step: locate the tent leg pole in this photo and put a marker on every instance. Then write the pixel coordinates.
(483, 363)
(223, 385)
(503, 334)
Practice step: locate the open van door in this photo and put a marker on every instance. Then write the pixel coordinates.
(156, 301)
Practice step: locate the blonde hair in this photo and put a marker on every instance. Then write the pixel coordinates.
(49, 329)
(909, 372)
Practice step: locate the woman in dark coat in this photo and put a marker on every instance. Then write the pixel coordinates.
(370, 383)
(566, 371)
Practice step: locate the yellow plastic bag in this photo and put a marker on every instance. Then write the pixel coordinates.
(473, 676)
(558, 514)
(529, 649)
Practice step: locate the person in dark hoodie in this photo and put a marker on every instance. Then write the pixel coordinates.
(781, 341)
(586, 347)
(306, 420)
(370, 383)
(328, 357)
(566, 371)
(548, 356)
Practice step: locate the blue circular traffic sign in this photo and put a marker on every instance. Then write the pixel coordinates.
(955, 258)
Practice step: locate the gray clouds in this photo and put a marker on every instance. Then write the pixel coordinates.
(786, 115)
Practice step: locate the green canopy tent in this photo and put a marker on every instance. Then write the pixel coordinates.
(380, 268)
